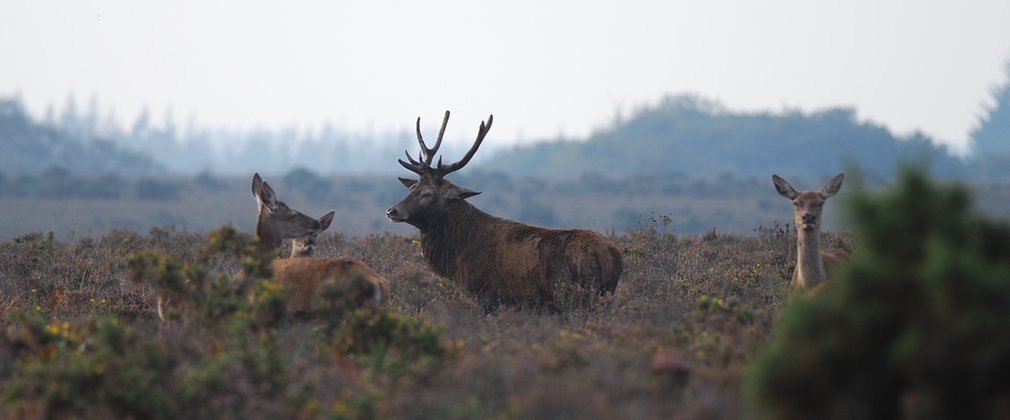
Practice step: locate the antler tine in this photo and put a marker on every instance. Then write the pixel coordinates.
(411, 168)
(428, 154)
(441, 132)
(481, 132)
(414, 166)
(411, 160)
(420, 141)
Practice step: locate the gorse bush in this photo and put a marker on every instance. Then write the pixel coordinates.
(223, 354)
(99, 366)
(252, 295)
(915, 326)
(391, 343)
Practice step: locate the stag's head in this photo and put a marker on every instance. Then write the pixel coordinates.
(277, 221)
(807, 205)
(431, 193)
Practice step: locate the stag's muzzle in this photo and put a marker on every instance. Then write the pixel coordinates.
(394, 215)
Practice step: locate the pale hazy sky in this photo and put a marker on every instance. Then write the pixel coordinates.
(540, 67)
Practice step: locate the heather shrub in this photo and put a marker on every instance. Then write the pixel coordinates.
(226, 353)
(915, 325)
(672, 341)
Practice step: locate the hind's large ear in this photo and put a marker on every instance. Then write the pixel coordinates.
(462, 193)
(407, 182)
(833, 185)
(783, 187)
(324, 222)
(267, 197)
(257, 183)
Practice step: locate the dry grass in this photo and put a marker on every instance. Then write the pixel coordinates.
(673, 341)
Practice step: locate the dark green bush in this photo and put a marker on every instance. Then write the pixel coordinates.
(98, 366)
(915, 326)
(391, 343)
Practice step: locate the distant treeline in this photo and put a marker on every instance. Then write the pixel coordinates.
(696, 137)
(60, 183)
(89, 142)
(31, 147)
(684, 135)
(701, 138)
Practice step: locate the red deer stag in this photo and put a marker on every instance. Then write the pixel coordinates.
(812, 263)
(495, 259)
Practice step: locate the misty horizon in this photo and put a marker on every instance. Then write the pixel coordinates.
(175, 145)
(374, 67)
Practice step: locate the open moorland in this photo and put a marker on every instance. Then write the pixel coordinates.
(700, 326)
(673, 341)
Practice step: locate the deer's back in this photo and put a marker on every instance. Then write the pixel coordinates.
(588, 259)
(550, 257)
(307, 275)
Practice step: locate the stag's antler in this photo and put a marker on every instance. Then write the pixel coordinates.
(422, 166)
(481, 132)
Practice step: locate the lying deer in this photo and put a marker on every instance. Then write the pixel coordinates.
(305, 273)
(277, 221)
(812, 263)
(495, 259)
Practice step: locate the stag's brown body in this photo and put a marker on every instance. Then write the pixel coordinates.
(499, 260)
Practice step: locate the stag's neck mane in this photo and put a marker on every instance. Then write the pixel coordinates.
(462, 226)
(809, 265)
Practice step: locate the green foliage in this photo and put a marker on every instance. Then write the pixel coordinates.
(392, 343)
(97, 366)
(38, 241)
(252, 296)
(224, 354)
(915, 326)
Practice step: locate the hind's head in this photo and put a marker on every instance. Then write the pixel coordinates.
(807, 205)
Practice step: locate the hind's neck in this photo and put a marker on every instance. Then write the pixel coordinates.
(809, 265)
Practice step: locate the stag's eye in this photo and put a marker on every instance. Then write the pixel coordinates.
(426, 195)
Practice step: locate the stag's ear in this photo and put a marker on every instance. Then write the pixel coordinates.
(324, 222)
(783, 187)
(833, 185)
(461, 193)
(407, 182)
